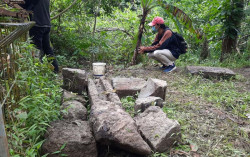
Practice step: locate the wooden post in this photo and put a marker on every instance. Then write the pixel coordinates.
(4, 151)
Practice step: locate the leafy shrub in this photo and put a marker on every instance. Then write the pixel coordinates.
(39, 105)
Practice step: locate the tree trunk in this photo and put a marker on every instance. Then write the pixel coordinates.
(138, 44)
(94, 28)
(232, 24)
(228, 47)
(205, 50)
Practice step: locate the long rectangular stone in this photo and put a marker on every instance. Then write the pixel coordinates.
(113, 126)
(207, 72)
(92, 92)
(111, 93)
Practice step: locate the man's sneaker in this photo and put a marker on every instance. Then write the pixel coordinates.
(163, 67)
(170, 68)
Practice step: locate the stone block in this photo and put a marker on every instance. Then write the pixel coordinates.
(74, 80)
(67, 96)
(127, 86)
(141, 104)
(159, 131)
(77, 137)
(73, 110)
(154, 87)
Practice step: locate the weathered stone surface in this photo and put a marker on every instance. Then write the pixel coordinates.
(128, 86)
(73, 110)
(93, 92)
(67, 96)
(112, 96)
(74, 80)
(154, 87)
(76, 135)
(141, 104)
(159, 131)
(113, 126)
(208, 72)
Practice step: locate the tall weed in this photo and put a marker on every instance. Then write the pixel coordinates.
(39, 105)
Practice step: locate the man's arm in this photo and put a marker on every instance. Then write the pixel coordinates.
(160, 45)
(156, 41)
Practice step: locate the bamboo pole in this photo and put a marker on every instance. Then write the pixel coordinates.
(4, 151)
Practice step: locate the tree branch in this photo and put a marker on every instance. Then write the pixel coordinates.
(115, 29)
(64, 10)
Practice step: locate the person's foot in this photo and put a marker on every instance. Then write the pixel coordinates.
(163, 67)
(169, 68)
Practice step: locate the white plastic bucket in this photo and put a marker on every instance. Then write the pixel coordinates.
(99, 69)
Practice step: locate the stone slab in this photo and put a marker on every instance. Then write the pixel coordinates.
(210, 72)
(159, 131)
(127, 86)
(154, 87)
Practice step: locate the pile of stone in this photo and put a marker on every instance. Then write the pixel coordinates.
(71, 136)
(108, 124)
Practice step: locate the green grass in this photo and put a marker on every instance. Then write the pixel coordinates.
(128, 104)
(39, 105)
(223, 94)
(212, 135)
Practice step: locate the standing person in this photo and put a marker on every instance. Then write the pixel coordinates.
(40, 33)
(164, 48)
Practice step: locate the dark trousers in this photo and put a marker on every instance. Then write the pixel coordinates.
(40, 38)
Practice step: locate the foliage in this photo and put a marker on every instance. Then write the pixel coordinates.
(220, 95)
(106, 6)
(107, 31)
(73, 40)
(128, 104)
(178, 16)
(75, 44)
(38, 106)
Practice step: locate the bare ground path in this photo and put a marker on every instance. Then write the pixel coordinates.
(211, 112)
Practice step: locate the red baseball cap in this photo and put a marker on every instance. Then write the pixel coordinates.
(156, 20)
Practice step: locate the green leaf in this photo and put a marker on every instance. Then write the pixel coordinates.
(22, 116)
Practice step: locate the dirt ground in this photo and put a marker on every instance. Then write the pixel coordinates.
(207, 129)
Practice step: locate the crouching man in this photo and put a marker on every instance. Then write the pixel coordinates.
(165, 46)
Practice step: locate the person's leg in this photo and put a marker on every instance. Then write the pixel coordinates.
(151, 55)
(36, 35)
(47, 48)
(164, 56)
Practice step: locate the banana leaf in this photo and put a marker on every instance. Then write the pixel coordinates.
(180, 16)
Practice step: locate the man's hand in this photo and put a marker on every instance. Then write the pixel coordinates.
(141, 49)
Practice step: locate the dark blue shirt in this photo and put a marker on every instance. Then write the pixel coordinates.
(41, 13)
